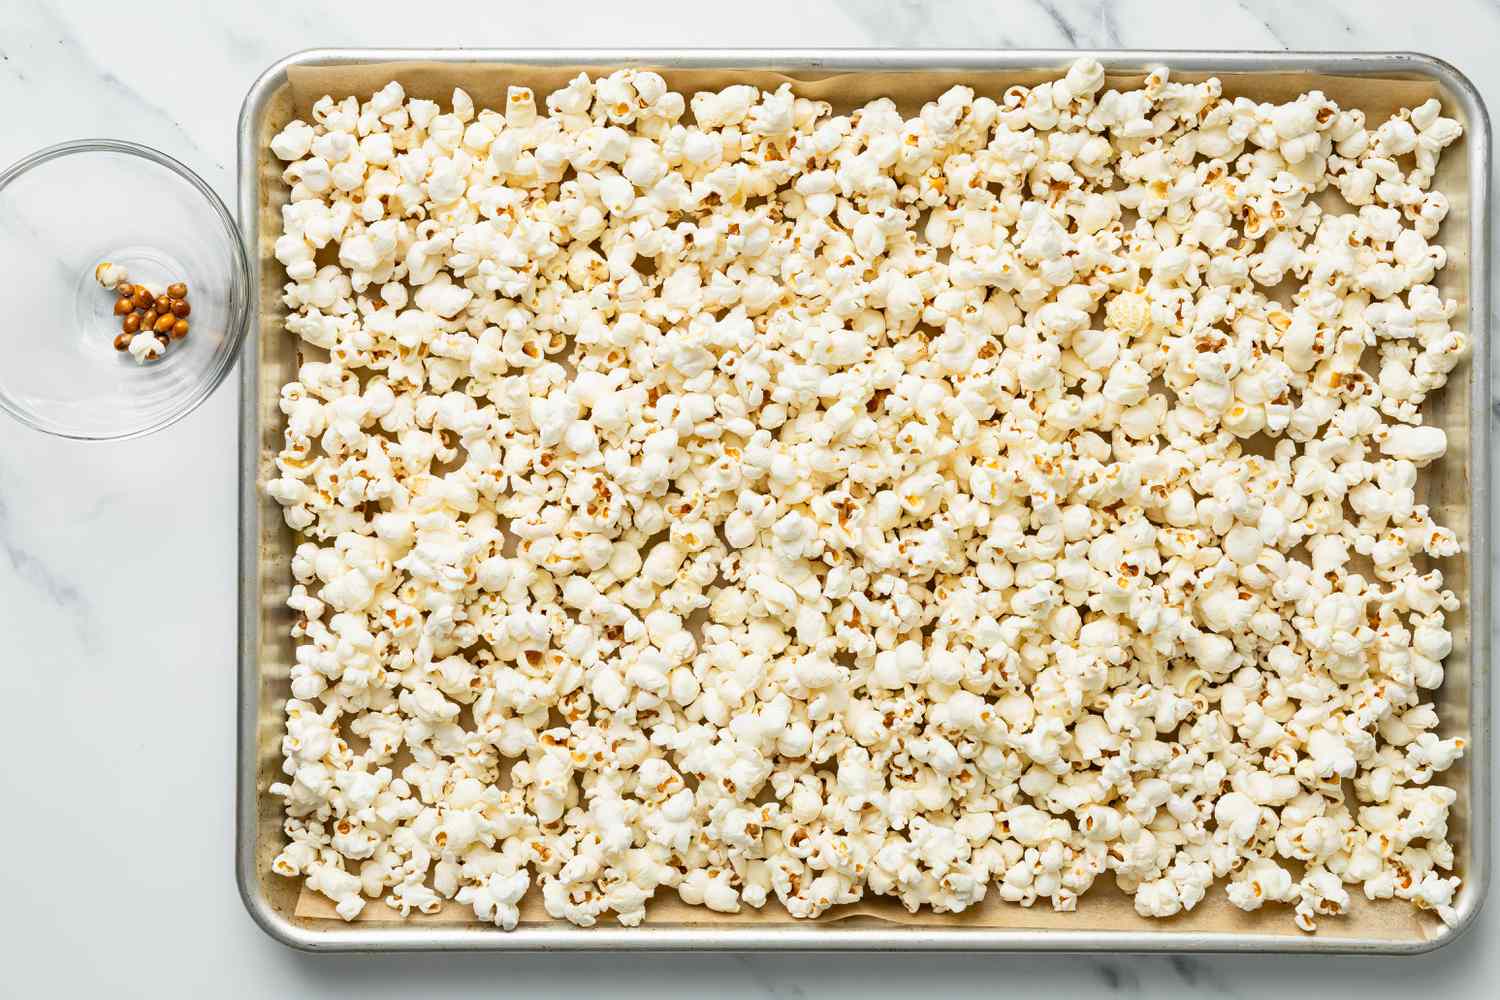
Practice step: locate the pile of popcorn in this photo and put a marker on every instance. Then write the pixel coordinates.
(730, 497)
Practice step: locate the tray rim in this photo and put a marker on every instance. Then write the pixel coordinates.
(836, 937)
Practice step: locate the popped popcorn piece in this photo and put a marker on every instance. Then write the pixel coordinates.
(110, 276)
(145, 347)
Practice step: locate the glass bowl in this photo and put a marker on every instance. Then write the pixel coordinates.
(63, 211)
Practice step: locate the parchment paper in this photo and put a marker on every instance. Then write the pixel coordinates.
(1104, 907)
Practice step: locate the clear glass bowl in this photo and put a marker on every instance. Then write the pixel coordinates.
(65, 209)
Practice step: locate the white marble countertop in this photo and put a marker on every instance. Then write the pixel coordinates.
(117, 562)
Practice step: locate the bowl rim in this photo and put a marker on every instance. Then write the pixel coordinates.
(237, 322)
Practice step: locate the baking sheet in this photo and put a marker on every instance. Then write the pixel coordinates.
(1394, 924)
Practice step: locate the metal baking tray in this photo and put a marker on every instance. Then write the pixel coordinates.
(1459, 496)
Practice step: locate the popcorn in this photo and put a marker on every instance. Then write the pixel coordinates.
(293, 142)
(496, 899)
(145, 348)
(110, 276)
(1416, 444)
(724, 496)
